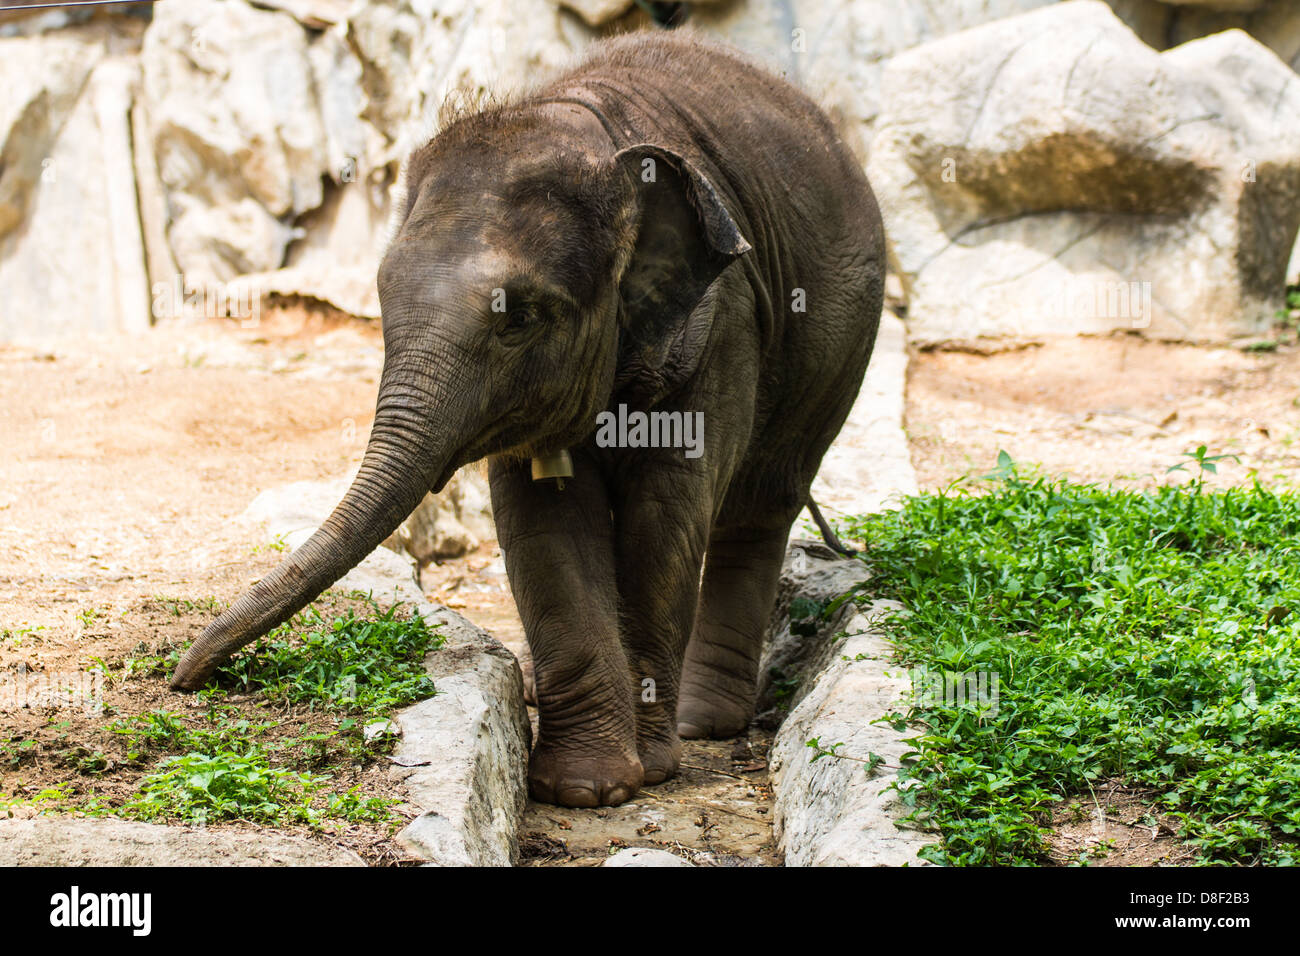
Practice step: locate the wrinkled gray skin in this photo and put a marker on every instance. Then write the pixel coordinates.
(676, 294)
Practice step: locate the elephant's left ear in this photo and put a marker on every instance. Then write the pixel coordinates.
(685, 238)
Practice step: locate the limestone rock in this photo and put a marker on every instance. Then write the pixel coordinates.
(42, 79)
(797, 650)
(316, 14)
(1051, 174)
(71, 250)
(388, 577)
(218, 244)
(237, 131)
(836, 49)
(448, 524)
(65, 841)
(451, 523)
(464, 752)
(598, 12)
(826, 673)
(417, 53)
(343, 240)
(829, 811)
(645, 856)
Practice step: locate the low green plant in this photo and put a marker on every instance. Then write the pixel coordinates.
(1149, 636)
(206, 788)
(178, 606)
(50, 798)
(15, 751)
(1206, 464)
(159, 731)
(199, 787)
(223, 765)
(276, 544)
(224, 771)
(363, 665)
(15, 637)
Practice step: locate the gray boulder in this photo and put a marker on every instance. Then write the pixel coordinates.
(799, 646)
(445, 525)
(463, 757)
(645, 856)
(237, 132)
(71, 249)
(828, 675)
(1051, 174)
(451, 523)
(834, 811)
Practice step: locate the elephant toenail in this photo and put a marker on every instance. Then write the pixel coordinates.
(691, 732)
(578, 797)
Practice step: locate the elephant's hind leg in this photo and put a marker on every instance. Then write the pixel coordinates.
(720, 675)
(558, 549)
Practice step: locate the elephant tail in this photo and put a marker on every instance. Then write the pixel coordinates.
(828, 533)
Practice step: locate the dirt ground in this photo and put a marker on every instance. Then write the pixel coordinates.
(127, 462)
(1115, 825)
(1118, 410)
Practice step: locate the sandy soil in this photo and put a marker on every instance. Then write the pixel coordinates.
(1113, 410)
(1116, 825)
(126, 459)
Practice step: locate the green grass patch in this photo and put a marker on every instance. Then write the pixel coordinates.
(1152, 636)
(347, 664)
(227, 762)
(160, 731)
(368, 665)
(225, 769)
(228, 785)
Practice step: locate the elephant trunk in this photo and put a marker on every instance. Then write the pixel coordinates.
(406, 457)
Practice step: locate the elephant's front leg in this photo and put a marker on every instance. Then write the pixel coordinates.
(559, 554)
(662, 518)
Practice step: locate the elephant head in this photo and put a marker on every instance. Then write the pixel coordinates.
(535, 272)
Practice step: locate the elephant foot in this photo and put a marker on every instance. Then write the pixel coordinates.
(660, 757)
(569, 779)
(718, 690)
(711, 716)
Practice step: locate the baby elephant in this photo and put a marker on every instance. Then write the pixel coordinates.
(655, 284)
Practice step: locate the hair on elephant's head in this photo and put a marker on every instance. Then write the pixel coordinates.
(535, 271)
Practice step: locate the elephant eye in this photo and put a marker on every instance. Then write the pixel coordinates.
(522, 317)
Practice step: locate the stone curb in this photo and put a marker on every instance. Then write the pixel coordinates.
(65, 841)
(464, 752)
(830, 811)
